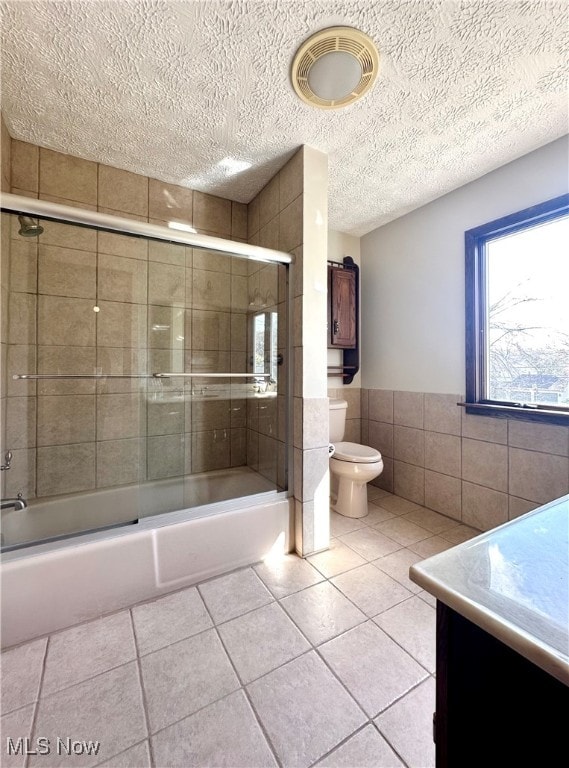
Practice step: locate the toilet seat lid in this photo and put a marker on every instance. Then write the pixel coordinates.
(359, 454)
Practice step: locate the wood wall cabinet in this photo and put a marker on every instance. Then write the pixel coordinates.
(342, 308)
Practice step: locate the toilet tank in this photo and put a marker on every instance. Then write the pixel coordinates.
(338, 409)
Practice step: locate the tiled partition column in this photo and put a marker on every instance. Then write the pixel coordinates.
(291, 214)
(480, 470)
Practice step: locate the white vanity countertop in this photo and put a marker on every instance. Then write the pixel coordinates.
(513, 582)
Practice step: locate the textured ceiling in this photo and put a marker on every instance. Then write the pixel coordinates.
(173, 89)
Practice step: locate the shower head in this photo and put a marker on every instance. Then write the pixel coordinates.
(29, 227)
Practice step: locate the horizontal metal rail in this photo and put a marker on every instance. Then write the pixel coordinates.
(168, 375)
(173, 233)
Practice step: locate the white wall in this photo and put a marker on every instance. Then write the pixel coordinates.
(340, 245)
(413, 274)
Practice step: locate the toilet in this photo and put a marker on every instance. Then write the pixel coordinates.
(352, 466)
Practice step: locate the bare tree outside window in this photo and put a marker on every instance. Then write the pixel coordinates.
(527, 320)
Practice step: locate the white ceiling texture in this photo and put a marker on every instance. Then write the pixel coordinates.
(198, 93)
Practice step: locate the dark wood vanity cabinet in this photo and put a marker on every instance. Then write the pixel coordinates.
(342, 308)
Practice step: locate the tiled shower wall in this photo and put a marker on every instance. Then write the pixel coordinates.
(73, 436)
(480, 470)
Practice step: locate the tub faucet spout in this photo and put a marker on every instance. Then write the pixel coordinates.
(17, 504)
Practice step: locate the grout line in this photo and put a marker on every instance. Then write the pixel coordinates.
(142, 688)
(37, 701)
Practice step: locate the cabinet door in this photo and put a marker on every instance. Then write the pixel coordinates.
(342, 306)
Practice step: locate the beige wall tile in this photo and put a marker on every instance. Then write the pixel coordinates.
(538, 476)
(5, 156)
(25, 166)
(121, 325)
(68, 177)
(253, 216)
(443, 494)
(492, 430)
(442, 453)
(381, 405)
(66, 201)
(353, 431)
(442, 414)
(238, 220)
(23, 265)
(211, 450)
(120, 416)
(209, 414)
(68, 236)
(352, 395)
(121, 279)
(122, 191)
(409, 482)
(212, 214)
(239, 332)
(269, 234)
(408, 409)
(239, 412)
(21, 358)
(269, 205)
(208, 361)
(209, 290)
(268, 416)
(166, 327)
(211, 261)
(22, 318)
(290, 226)
(166, 284)
(485, 464)
(120, 462)
(67, 272)
(291, 179)
(168, 253)
(122, 245)
(380, 437)
(239, 294)
(169, 202)
(315, 422)
(364, 403)
(22, 476)
(268, 457)
(483, 508)
(315, 466)
(211, 330)
(65, 419)
(63, 321)
(20, 423)
(239, 448)
(71, 360)
(65, 469)
(409, 445)
(166, 416)
(517, 507)
(548, 438)
(252, 449)
(119, 360)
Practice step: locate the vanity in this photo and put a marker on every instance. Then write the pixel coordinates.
(502, 688)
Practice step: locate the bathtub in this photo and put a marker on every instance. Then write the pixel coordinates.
(54, 585)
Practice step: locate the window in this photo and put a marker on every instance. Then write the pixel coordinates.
(517, 314)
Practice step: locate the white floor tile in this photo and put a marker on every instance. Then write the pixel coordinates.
(408, 726)
(397, 566)
(304, 710)
(366, 749)
(370, 543)
(229, 596)
(373, 668)
(261, 641)
(135, 757)
(322, 612)
(429, 547)
(15, 725)
(433, 521)
(182, 678)
(20, 673)
(287, 574)
(337, 559)
(403, 531)
(82, 652)
(339, 524)
(222, 735)
(412, 624)
(370, 589)
(169, 619)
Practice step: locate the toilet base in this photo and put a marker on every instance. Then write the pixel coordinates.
(350, 482)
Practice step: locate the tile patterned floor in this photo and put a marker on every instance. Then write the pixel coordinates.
(327, 661)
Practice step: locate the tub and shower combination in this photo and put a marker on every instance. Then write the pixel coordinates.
(146, 395)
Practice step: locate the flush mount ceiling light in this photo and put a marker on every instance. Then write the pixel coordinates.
(335, 67)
